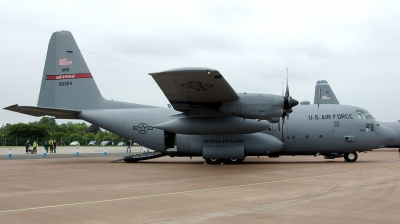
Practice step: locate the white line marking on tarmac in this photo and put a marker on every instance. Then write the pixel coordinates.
(193, 191)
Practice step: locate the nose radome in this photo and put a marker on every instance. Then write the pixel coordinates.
(385, 135)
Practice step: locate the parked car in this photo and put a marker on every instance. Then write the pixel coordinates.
(75, 143)
(103, 143)
(121, 143)
(92, 143)
(135, 144)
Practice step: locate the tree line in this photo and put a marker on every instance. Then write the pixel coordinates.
(47, 127)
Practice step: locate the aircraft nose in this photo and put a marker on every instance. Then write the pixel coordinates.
(385, 135)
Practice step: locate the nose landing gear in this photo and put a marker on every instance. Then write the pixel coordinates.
(350, 157)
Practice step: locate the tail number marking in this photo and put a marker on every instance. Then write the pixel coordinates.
(65, 84)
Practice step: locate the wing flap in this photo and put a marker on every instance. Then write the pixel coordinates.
(43, 111)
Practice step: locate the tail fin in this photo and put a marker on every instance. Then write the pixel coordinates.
(67, 82)
(324, 94)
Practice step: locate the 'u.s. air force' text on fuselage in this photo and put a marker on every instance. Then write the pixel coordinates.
(330, 116)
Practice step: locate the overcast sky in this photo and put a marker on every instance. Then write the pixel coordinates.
(354, 45)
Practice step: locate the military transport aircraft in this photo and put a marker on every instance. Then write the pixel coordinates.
(322, 87)
(208, 117)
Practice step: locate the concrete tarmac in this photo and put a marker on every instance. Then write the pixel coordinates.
(64, 188)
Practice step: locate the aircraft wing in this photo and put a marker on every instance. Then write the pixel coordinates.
(43, 111)
(185, 87)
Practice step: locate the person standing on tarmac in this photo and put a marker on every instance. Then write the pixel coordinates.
(27, 145)
(34, 145)
(46, 146)
(128, 146)
(51, 145)
(54, 145)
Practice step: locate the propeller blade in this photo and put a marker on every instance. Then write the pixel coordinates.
(287, 83)
(288, 102)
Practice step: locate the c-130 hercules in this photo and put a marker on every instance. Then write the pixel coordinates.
(208, 117)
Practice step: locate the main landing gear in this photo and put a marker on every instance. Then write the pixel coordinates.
(350, 157)
(219, 161)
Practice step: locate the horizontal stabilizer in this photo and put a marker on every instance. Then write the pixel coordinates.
(43, 111)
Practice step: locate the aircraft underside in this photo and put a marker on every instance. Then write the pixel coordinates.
(348, 157)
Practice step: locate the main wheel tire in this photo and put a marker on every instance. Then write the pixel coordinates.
(213, 161)
(350, 157)
(234, 161)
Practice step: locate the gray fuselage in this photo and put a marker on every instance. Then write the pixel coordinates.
(311, 129)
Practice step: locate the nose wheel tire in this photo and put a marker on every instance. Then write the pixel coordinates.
(350, 157)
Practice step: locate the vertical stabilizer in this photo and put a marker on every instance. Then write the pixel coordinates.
(67, 82)
(324, 94)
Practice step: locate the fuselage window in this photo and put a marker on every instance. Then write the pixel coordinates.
(369, 127)
(361, 114)
(307, 136)
(321, 136)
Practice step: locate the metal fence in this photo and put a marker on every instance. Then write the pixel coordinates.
(60, 141)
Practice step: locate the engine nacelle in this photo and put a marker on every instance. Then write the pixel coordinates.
(254, 106)
(213, 125)
(274, 120)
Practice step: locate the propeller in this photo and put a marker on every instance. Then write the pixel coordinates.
(288, 102)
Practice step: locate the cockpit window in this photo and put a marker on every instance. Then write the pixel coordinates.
(361, 114)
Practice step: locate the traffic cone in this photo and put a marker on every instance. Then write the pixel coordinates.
(77, 151)
(105, 150)
(9, 153)
(44, 153)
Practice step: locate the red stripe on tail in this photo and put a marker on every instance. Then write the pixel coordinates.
(69, 76)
